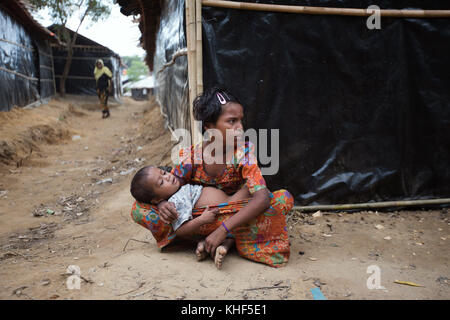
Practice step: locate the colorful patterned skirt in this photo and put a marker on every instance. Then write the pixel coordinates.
(103, 97)
(264, 239)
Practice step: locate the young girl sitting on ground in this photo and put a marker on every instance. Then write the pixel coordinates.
(152, 185)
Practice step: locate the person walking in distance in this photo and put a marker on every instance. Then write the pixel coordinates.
(103, 77)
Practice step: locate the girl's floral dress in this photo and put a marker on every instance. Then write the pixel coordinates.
(264, 239)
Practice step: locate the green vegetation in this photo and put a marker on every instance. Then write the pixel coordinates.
(136, 67)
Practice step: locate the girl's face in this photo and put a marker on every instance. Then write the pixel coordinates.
(163, 183)
(229, 120)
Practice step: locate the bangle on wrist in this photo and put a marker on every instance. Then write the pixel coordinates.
(223, 224)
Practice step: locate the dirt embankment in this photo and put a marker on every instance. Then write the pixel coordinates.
(22, 131)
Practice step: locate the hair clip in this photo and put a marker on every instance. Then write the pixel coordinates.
(221, 98)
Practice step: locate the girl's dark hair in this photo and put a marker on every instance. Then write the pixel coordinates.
(139, 189)
(207, 106)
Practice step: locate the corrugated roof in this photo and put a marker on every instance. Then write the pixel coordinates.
(83, 40)
(148, 82)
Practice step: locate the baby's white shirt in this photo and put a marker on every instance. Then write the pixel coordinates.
(184, 201)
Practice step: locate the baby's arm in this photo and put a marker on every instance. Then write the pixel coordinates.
(191, 227)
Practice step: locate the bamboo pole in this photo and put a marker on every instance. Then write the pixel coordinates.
(198, 17)
(404, 13)
(192, 69)
(197, 131)
(373, 205)
(53, 73)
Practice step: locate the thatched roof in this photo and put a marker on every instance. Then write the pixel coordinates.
(149, 12)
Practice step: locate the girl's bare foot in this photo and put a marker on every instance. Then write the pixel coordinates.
(221, 252)
(200, 252)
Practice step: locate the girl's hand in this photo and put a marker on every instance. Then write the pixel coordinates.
(214, 240)
(209, 215)
(167, 212)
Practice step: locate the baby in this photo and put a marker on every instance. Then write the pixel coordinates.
(152, 185)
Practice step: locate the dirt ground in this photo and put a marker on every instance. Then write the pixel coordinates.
(64, 200)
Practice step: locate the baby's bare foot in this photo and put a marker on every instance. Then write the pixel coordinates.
(221, 252)
(200, 252)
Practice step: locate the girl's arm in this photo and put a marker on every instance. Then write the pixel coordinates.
(242, 194)
(167, 211)
(259, 203)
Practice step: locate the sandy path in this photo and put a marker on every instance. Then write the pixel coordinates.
(91, 225)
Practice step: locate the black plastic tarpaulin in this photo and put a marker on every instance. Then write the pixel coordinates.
(26, 66)
(46, 71)
(172, 92)
(363, 115)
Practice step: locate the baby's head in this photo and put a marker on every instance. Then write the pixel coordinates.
(152, 185)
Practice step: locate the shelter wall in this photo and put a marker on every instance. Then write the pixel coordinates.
(172, 90)
(26, 66)
(363, 115)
